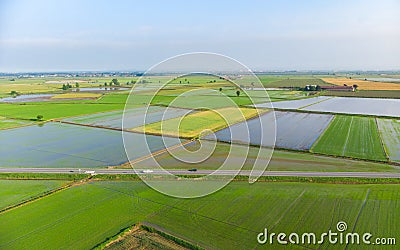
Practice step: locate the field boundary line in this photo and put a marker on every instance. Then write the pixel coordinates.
(331, 113)
(322, 134)
(43, 195)
(380, 133)
(308, 105)
(347, 136)
(359, 213)
(287, 209)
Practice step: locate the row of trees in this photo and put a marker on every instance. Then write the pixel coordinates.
(68, 86)
(115, 82)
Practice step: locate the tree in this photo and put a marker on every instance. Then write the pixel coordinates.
(220, 89)
(77, 84)
(14, 93)
(64, 87)
(39, 117)
(238, 93)
(115, 82)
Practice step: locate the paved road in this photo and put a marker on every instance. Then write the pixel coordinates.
(202, 172)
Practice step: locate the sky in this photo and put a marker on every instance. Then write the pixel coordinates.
(76, 35)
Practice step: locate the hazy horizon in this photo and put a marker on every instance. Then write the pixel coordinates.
(65, 36)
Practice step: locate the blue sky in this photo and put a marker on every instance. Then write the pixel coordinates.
(134, 35)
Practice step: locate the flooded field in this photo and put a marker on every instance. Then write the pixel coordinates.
(294, 130)
(133, 117)
(382, 79)
(28, 98)
(342, 105)
(295, 104)
(352, 105)
(63, 145)
(390, 134)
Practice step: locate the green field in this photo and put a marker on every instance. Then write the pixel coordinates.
(83, 216)
(294, 82)
(53, 110)
(13, 192)
(351, 136)
(390, 134)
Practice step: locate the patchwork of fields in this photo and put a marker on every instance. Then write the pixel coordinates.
(83, 216)
(89, 212)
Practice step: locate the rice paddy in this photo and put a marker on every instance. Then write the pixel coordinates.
(390, 133)
(67, 218)
(62, 145)
(86, 214)
(133, 117)
(356, 137)
(294, 130)
(13, 192)
(353, 105)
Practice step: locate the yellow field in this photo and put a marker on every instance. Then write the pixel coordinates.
(363, 85)
(76, 95)
(27, 88)
(192, 125)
